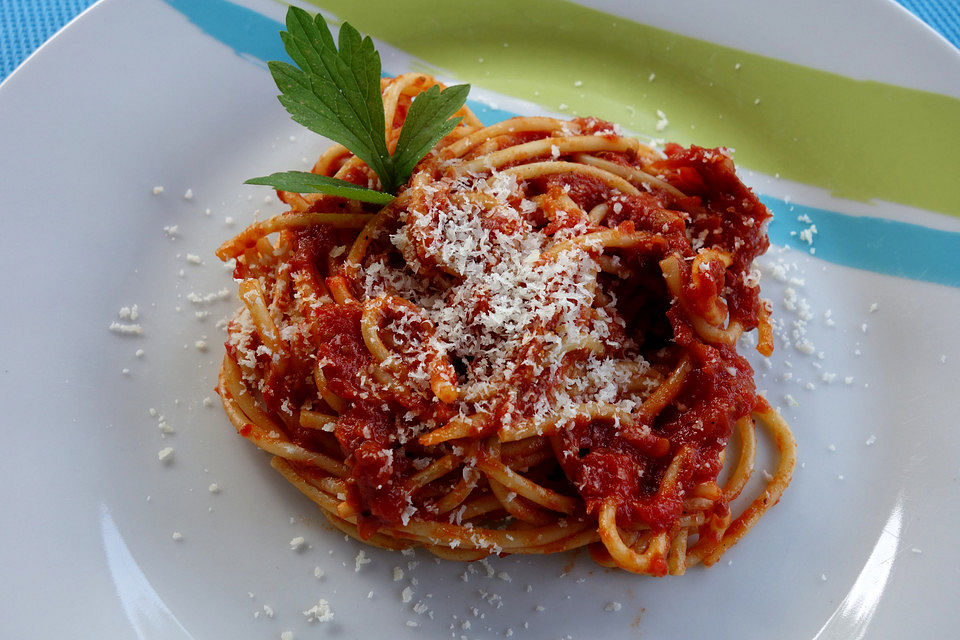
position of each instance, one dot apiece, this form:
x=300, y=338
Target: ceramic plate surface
x=133, y=97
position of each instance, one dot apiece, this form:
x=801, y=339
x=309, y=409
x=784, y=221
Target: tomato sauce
x=600, y=459
x=727, y=211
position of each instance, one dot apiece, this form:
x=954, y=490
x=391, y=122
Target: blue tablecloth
x=26, y=24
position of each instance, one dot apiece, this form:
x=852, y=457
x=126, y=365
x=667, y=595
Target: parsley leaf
x=306, y=182
x=429, y=119
x=333, y=93
x=336, y=93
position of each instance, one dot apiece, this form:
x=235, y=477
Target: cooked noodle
x=531, y=349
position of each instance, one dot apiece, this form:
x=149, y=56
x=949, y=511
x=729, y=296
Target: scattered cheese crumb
x=805, y=347
x=807, y=234
x=129, y=313
x=397, y=574
x=916, y=550
x=317, y=573
x=320, y=612
x=165, y=454
x=662, y=121
x=872, y=439
x=823, y=577
x=194, y=259
x=208, y=298
x=652, y=77
x=613, y=606
x=188, y=194
x=406, y=595
x=138, y=353
x=286, y=635
x=200, y=345
x=126, y=329
x=157, y=190
x=214, y=488
x=297, y=543
x=177, y=535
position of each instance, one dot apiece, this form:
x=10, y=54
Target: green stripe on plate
x=860, y=140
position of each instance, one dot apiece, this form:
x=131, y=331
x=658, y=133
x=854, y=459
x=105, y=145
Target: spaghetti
x=532, y=349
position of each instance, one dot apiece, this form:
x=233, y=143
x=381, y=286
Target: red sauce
x=723, y=207
x=604, y=462
x=587, y=191
x=600, y=460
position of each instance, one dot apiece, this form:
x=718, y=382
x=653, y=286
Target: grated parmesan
x=320, y=612
x=126, y=329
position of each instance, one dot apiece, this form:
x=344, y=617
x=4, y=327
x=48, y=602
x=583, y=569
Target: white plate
x=133, y=96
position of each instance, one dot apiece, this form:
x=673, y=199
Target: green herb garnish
x=306, y=182
x=336, y=93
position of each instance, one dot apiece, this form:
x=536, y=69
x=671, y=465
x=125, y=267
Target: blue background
x=26, y=24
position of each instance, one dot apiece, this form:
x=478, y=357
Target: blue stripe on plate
x=863, y=242
x=874, y=244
